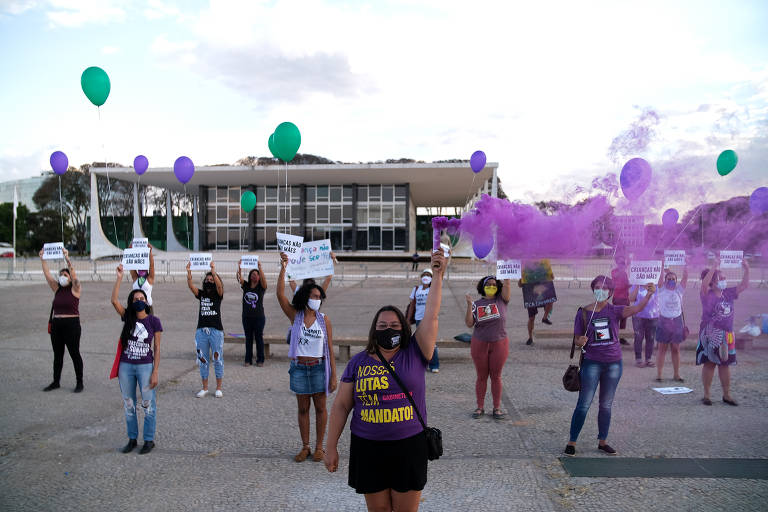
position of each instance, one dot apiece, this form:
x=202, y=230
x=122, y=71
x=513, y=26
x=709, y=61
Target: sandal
x=303, y=454
x=478, y=412
x=498, y=414
x=679, y=379
x=319, y=454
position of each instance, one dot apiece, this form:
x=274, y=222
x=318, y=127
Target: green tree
x=75, y=202
x=22, y=221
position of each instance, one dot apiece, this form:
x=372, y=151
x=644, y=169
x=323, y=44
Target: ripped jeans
x=130, y=375
x=209, y=343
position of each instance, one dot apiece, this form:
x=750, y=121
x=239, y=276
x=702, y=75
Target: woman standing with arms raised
x=253, y=312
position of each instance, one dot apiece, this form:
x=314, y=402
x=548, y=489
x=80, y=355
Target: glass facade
x=353, y=217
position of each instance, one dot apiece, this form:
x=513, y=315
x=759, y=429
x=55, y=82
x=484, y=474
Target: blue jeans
x=593, y=373
x=129, y=375
x=209, y=343
x=434, y=363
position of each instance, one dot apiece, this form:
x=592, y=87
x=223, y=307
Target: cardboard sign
x=536, y=295
x=509, y=269
x=731, y=259
x=644, y=272
x=249, y=261
x=314, y=261
x=136, y=259
x=674, y=258
x=200, y=261
x=289, y=244
x=140, y=243
x=53, y=251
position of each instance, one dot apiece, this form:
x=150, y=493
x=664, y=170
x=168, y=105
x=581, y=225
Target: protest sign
x=53, y=251
x=674, y=258
x=673, y=390
x=249, y=261
x=536, y=295
x=289, y=244
x=509, y=269
x=314, y=261
x=200, y=261
x=136, y=259
x=731, y=259
x=644, y=272
x=140, y=243
x=446, y=249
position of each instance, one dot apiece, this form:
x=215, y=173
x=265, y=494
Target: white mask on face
x=426, y=279
x=601, y=295
x=722, y=284
x=63, y=281
x=314, y=304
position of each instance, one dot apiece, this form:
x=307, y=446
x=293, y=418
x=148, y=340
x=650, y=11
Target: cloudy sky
x=558, y=93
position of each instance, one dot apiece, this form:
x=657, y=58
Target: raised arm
x=684, y=282
x=239, y=275
x=53, y=283
x=744, y=278
x=631, y=310
x=262, y=277
x=506, y=290
x=633, y=293
x=708, y=278
x=426, y=332
x=151, y=276
x=469, y=320
x=342, y=405
x=116, y=293
x=72, y=275
x=327, y=283
x=285, y=305
x=217, y=280
x=194, y=289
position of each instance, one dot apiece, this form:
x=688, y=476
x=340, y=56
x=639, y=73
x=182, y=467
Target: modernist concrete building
x=360, y=207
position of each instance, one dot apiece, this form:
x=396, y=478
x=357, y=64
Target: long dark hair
x=405, y=332
x=301, y=297
x=481, y=286
x=129, y=317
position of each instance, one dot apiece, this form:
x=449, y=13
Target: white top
x=311, y=341
x=670, y=301
x=146, y=288
x=420, y=294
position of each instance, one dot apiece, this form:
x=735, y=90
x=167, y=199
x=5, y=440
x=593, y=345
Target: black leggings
x=65, y=332
x=254, y=331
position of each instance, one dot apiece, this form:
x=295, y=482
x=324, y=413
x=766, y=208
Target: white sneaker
x=218, y=394
x=435, y=370
x=201, y=393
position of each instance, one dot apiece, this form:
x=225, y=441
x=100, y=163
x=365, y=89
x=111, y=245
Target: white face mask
x=314, y=304
x=426, y=279
x=63, y=281
x=601, y=295
x=722, y=284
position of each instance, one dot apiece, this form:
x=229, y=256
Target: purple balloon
x=477, y=161
x=482, y=245
x=59, y=162
x=140, y=164
x=183, y=168
x=758, y=201
x=635, y=178
x=670, y=217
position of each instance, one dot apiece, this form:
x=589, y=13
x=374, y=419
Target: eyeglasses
x=380, y=326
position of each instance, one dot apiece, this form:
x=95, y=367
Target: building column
x=354, y=215
x=100, y=245
x=251, y=223
x=171, y=244
x=495, y=184
x=195, y=225
x=137, y=231
x=411, y=219
x=202, y=205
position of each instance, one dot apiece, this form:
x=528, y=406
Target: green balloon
x=727, y=161
x=271, y=144
x=287, y=140
x=95, y=84
x=248, y=201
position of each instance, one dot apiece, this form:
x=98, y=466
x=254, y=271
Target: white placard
x=249, y=261
x=674, y=258
x=140, y=243
x=509, y=269
x=314, y=261
x=644, y=272
x=53, y=251
x=136, y=259
x=731, y=259
x=446, y=249
x=200, y=261
x=289, y=244
x=672, y=391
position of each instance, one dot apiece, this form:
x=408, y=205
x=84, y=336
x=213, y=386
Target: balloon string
x=287, y=195
x=61, y=211
x=186, y=221
x=278, y=196
x=684, y=227
x=737, y=234
x=109, y=185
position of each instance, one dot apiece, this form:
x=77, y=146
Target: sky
x=558, y=93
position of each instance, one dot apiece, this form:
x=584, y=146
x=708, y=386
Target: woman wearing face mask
x=144, y=280
x=416, y=311
x=596, y=330
x=209, y=336
x=670, y=329
x=65, y=321
x=621, y=292
x=489, y=345
x=717, y=328
x=388, y=451
x=644, y=324
x=313, y=366
x=253, y=312
x=138, y=362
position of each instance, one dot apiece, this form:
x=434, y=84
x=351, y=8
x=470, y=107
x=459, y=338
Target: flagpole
x=15, y=205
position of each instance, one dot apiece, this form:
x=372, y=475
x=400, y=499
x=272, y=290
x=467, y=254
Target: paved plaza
x=59, y=450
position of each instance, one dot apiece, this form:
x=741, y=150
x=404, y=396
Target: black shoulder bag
x=571, y=378
x=433, y=435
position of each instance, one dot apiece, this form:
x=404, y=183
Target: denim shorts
x=307, y=380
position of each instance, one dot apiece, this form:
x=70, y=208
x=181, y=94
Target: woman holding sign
x=253, y=312
x=670, y=331
x=144, y=280
x=313, y=366
x=717, y=343
x=388, y=449
x=596, y=331
x=64, y=321
x=209, y=336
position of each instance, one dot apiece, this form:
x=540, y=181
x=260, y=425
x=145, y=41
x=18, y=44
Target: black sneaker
x=128, y=448
x=51, y=386
x=529, y=342
x=546, y=320
x=78, y=388
x=623, y=341
x=148, y=445
x=570, y=450
x=607, y=449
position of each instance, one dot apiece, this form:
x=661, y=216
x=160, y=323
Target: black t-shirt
x=209, y=314
x=253, y=301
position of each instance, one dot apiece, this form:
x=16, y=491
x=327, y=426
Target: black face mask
x=388, y=338
x=209, y=287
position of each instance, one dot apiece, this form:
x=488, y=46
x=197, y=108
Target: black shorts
x=532, y=312
x=378, y=465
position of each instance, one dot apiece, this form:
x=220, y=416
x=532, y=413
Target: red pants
x=489, y=358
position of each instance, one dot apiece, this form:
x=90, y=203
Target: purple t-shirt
x=382, y=412
x=718, y=311
x=490, y=317
x=602, y=333
x=138, y=349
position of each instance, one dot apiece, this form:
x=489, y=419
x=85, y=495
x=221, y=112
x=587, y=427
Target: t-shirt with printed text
x=137, y=349
x=419, y=293
x=209, y=314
